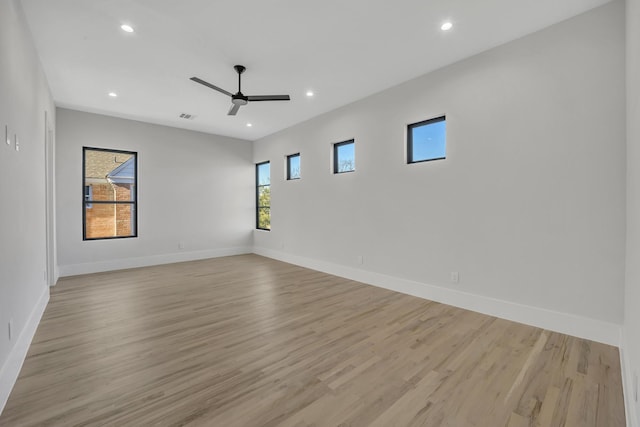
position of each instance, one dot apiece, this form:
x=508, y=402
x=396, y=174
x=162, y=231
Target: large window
x=344, y=156
x=109, y=194
x=426, y=140
x=263, y=196
x=293, y=166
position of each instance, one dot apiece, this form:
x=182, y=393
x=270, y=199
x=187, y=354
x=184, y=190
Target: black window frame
x=410, y=128
x=88, y=195
x=289, y=157
x=258, y=186
x=336, y=163
x=87, y=204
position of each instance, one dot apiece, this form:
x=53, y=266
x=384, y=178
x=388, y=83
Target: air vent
x=187, y=116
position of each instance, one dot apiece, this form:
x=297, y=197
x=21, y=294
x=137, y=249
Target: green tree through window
x=263, y=196
x=264, y=207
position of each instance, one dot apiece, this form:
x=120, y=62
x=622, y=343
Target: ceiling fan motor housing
x=239, y=99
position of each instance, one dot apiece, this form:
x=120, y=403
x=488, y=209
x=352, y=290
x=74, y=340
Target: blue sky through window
x=429, y=141
x=264, y=174
x=345, y=157
x=294, y=166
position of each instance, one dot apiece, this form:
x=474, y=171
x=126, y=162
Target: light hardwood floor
x=247, y=341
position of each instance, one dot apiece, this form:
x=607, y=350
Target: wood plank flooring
x=248, y=341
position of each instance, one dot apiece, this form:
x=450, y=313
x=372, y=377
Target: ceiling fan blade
x=207, y=84
x=269, y=98
x=234, y=109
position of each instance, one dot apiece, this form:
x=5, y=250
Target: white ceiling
x=343, y=50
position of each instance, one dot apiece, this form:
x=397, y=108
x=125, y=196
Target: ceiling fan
x=239, y=99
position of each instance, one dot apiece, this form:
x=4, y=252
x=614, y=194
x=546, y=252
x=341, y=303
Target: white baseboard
x=11, y=368
x=630, y=405
x=578, y=326
x=124, y=263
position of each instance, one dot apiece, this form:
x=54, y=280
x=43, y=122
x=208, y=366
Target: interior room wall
x=194, y=190
x=528, y=207
x=632, y=292
x=25, y=99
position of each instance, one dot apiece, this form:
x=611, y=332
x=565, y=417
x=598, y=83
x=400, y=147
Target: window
x=293, y=166
x=426, y=140
x=263, y=196
x=109, y=194
x=344, y=156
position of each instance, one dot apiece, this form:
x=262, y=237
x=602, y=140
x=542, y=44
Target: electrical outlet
x=635, y=386
x=6, y=135
x=359, y=259
x=15, y=138
x=180, y=245
x=10, y=329
x=455, y=277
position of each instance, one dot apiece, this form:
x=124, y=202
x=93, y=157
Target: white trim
x=11, y=368
x=145, y=261
x=56, y=275
x=627, y=384
x=570, y=324
x=49, y=201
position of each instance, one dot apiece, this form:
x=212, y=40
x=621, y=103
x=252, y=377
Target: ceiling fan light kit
x=239, y=99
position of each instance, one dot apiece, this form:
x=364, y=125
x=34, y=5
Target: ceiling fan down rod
x=239, y=69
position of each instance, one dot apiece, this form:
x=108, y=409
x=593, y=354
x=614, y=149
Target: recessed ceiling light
x=127, y=28
x=113, y=94
x=249, y=125
x=446, y=26
x=309, y=93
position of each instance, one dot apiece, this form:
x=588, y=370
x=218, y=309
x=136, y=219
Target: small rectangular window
x=110, y=202
x=426, y=140
x=263, y=196
x=293, y=166
x=344, y=156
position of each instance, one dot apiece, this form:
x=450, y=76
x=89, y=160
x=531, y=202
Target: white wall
x=632, y=293
x=24, y=99
x=529, y=206
x=192, y=187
